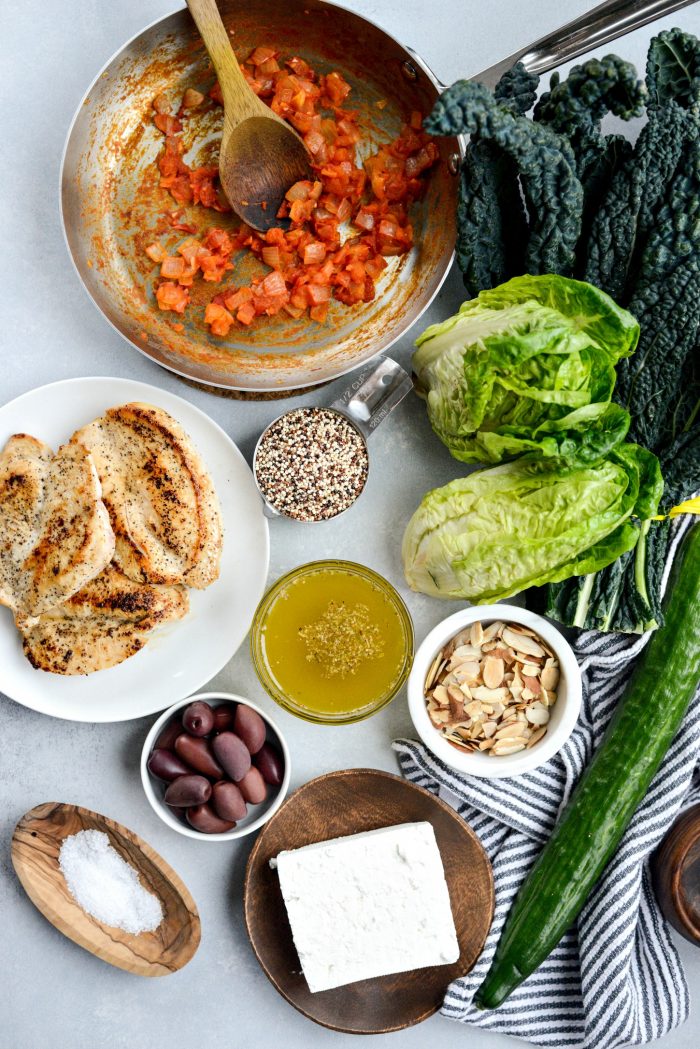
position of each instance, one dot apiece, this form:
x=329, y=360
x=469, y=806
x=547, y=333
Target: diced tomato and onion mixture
x=344, y=224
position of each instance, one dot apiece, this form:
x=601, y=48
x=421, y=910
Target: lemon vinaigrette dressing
x=333, y=641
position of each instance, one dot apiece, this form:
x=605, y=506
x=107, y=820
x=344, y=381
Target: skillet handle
x=373, y=394
x=604, y=23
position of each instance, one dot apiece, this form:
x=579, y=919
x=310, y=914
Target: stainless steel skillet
x=112, y=206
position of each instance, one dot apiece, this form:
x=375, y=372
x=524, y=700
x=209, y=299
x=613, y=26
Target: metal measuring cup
x=371, y=396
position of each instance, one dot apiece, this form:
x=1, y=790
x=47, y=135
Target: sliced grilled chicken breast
x=160, y=498
x=109, y=620
x=55, y=533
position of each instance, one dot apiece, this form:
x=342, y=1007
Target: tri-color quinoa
x=311, y=464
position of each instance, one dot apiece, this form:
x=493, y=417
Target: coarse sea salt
x=105, y=885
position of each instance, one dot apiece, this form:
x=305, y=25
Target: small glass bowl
x=262, y=668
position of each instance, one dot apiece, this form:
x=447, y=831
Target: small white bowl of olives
x=215, y=767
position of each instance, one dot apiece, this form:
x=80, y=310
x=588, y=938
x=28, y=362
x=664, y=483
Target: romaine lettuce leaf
x=500, y=530
x=527, y=367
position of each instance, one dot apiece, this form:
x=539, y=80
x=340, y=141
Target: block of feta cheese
x=368, y=905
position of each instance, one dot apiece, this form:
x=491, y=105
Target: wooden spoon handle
x=239, y=100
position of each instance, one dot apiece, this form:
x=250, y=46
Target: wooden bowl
x=348, y=802
x=35, y=846
x=675, y=870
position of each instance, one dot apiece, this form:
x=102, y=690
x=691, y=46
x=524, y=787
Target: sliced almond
x=476, y=634
x=431, y=676
x=440, y=695
x=461, y=729
x=486, y=744
x=492, y=672
x=462, y=638
x=520, y=629
x=527, y=694
x=537, y=714
x=505, y=731
x=522, y=643
x=530, y=670
x=466, y=652
x=490, y=695
x=536, y=736
x=508, y=747
x=474, y=709
x=532, y=683
x=489, y=728
x=494, y=629
x=467, y=671
x=439, y=717
x=456, y=706
x=506, y=654
x=455, y=692
x=460, y=744
x=549, y=677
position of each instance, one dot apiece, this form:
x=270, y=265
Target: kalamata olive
x=228, y=801
x=166, y=765
x=271, y=764
x=250, y=727
x=252, y=786
x=203, y=817
x=187, y=790
x=168, y=735
x=197, y=753
x=198, y=718
x=232, y=753
x=223, y=717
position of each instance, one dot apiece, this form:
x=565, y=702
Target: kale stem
x=584, y=598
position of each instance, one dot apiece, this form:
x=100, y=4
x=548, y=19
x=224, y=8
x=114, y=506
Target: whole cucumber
x=640, y=732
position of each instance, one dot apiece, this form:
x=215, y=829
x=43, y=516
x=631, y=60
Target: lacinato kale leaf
x=545, y=164
x=517, y=89
x=491, y=220
x=575, y=108
x=673, y=68
x=666, y=302
x=684, y=412
x=628, y=211
x=626, y=214
x=598, y=86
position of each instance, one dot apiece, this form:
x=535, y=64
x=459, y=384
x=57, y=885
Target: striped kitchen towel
x=615, y=979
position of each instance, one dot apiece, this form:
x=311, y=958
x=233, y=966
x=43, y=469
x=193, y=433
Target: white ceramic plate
x=183, y=656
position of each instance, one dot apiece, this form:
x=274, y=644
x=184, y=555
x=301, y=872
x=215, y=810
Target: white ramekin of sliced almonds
x=494, y=691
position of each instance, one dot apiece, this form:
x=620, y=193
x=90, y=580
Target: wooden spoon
x=35, y=846
x=260, y=156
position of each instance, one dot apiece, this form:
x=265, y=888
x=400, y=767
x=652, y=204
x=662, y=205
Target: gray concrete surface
x=52, y=993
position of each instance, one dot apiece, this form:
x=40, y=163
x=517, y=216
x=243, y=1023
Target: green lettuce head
x=500, y=530
x=527, y=368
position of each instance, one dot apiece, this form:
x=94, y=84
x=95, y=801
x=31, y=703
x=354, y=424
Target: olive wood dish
x=676, y=874
x=35, y=846
x=348, y=802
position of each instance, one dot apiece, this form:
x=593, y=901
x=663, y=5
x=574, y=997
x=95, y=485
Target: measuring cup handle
x=374, y=393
